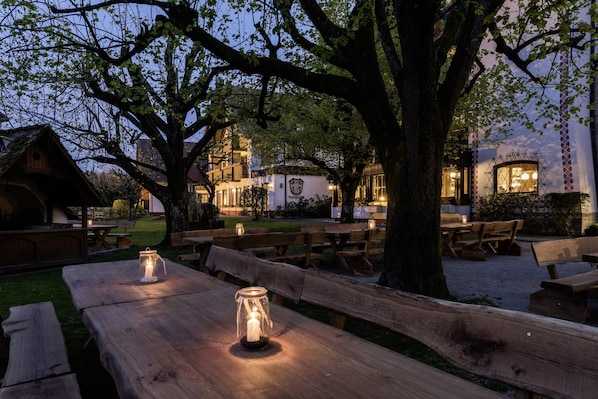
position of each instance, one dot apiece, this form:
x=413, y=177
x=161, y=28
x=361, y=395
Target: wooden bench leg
x=557, y=304
x=123, y=242
x=337, y=320
x=521, y=394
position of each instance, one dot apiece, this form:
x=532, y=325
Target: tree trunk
x=176, y=203
x=348, y=186
x=412, y=258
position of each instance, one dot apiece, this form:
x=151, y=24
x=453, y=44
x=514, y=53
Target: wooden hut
x=38, y=181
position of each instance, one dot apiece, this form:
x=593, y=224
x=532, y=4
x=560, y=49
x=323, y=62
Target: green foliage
x=202, y=215
x=505, y=206
x=318, y=207
x=254, y=198
x=120, y=208
x=591, y=230
x=554, y=213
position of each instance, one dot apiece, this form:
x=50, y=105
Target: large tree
x=402, y=64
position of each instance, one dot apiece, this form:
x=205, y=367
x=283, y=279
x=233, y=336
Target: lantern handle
x=163, y=263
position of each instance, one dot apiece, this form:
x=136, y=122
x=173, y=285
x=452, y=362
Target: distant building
x=234, y=168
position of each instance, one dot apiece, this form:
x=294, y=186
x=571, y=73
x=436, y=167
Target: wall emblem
x=296, y=186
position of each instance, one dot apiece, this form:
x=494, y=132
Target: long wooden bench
x=566, y=297
x=330, y=228
x=178, y=238
x=38, y=364
x=274, y=246
x=512, y=347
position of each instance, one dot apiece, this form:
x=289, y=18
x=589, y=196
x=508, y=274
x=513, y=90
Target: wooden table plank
x=40, y=350
x=590, y=258
x=97, y=284
x=574, y=284
x=185, y=346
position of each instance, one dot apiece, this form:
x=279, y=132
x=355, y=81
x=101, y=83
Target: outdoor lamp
x=253, y=317
x=89, y=222
x=148, y=263
x=240, y=229
x=463, y=219
x=371, y=224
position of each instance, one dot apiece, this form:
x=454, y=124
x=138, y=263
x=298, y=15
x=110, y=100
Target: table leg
x=101, y=239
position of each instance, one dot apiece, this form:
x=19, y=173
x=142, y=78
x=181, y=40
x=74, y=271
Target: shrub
x=554, y=213
x=254, y=198
x=120, y=209
x=591, y=230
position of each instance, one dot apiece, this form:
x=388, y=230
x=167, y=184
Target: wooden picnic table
x=100, y=233
x=162, y=341
x=359, y=239
x=450, y=231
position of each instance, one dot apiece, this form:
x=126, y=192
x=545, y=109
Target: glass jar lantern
x=240, y=229
x=148, y=263
x=371, y=224
x=253, y=317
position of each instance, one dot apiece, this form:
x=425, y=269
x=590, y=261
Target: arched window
x=516, y=177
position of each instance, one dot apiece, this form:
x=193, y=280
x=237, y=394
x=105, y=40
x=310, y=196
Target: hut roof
x=35, y=153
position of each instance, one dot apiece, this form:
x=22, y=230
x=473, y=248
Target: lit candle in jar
x=149, y=271
x=463, y=219
x=253, y=328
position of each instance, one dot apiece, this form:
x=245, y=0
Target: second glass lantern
x=253, y=317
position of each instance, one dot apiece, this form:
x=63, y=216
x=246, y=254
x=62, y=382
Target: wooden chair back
x=513, y=347
x=557, y=252
x=332, y=227
x=446, y=218
x=248, y=241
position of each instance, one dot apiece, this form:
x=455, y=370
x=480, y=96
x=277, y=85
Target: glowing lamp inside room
x=148, y=263
x=253, y=317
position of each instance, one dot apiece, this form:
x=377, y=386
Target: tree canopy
x=404, y=65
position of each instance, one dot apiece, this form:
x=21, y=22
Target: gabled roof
x=35, y=153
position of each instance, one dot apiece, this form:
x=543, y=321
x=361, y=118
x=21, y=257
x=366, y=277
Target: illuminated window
x=516, y=177
x=455, y=185
x=379, y=188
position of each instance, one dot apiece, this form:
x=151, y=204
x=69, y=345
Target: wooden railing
x=36, y=249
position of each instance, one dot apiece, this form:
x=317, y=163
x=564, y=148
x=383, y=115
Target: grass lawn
x=94, y=381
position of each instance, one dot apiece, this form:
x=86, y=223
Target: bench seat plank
x=37, y=348
x=61, y=387
x=572, y=284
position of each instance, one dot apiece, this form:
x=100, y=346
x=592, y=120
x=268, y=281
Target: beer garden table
x=176, y=338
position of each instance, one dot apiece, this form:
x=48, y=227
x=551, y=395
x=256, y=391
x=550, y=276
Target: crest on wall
x=296, y=186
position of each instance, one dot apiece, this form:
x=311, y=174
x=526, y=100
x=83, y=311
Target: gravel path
x=505, y=280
